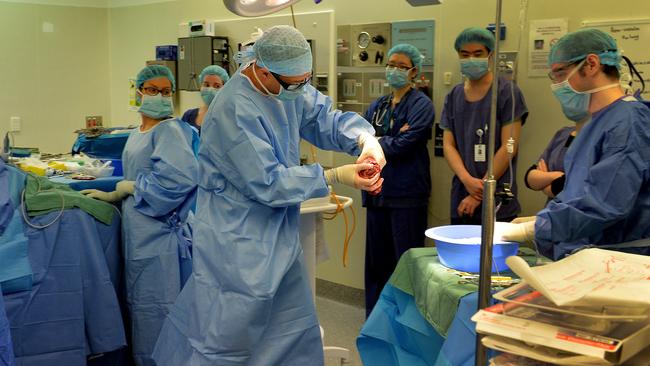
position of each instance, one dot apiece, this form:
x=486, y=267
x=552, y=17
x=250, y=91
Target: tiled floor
x=342, y=323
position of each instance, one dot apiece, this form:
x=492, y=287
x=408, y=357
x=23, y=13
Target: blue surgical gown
x=248, y=300
x=156, y=234
x=606, y=197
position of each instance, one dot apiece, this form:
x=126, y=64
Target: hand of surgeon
x=370, y=147
x=122, y=190
x=523, y=233
x=521, y=220
x=349, y=175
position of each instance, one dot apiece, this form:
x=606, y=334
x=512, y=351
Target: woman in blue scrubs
x=157, y=194
x=548, y=174
x=397, y=216
x=212, y=79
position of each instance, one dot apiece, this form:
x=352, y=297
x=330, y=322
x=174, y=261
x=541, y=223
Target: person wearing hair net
x=397, y=216
x=159, y=190
x=212, y=79
x=606, y=196
x=248, y=301
x=465, y=119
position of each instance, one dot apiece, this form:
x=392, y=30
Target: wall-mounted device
x=493, y=28
x=198, y=28
x=506, y=64
x=419, y=33
x=370, y=44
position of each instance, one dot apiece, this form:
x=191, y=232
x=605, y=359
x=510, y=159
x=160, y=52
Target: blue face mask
x=474, y=68
x=156, y=106
x=289, y=94
x=208, y=94
x=575, y=104
x=397, y=78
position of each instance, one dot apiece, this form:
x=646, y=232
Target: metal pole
x=489, y=190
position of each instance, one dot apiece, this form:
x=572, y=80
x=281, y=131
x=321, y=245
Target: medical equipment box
x=166, y=53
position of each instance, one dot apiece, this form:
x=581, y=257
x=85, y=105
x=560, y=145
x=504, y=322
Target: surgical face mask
x=156, y=106
x=474, y=68
x=289, y=94
x=575, y=104
x=397, y=78
x=208, y=94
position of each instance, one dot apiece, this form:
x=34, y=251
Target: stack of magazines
x=593, y=309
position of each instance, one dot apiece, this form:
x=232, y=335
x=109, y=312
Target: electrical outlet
x=447, y=78
x=14, y=124
x=94, y=121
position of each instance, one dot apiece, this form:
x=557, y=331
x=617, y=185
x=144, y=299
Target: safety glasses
x=288, y=86
x=149, y=90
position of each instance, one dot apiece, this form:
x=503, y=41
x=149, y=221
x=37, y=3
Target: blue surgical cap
x=475, y=35
x=154, y=72
x=409, y=50
x=577, y=45
x=283, y=50
x=214, y=70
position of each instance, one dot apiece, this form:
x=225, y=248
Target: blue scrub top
x=464, y=118
x=190, y=116
x=554, y=153
x=407, y=180
x=606, y=197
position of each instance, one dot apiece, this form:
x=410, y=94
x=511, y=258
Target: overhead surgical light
x=254, y=8
x=424, y=2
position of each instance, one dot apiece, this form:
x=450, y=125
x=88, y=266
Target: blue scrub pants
x=389, y=233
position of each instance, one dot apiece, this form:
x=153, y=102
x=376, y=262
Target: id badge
x=479, y=153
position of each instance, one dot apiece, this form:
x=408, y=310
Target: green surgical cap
x=283, y=50
x=214, y=70
x=409, y=50
x=577, y=45
x=475, y=35
x=154, y=72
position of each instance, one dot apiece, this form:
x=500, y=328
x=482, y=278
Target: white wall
x=52, y=80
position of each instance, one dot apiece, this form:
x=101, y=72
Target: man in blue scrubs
x=465, y=119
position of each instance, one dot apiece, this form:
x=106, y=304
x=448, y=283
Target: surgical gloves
x=122, y=190
x=349, y=175
x=523, y=233
x=370, y=147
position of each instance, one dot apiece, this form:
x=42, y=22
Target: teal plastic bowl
x=459, y=247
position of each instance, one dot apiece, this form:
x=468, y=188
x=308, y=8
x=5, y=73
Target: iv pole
x=489, y=190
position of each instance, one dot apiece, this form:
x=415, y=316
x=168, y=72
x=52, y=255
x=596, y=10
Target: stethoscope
x=377, y=117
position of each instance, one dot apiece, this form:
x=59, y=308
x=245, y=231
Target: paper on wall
x=543, y=35
x=591, y=277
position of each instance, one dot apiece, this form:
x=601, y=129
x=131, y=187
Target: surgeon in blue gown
x=606, y=196
x=397, y=216
x=157, y=194
x=248, y=301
